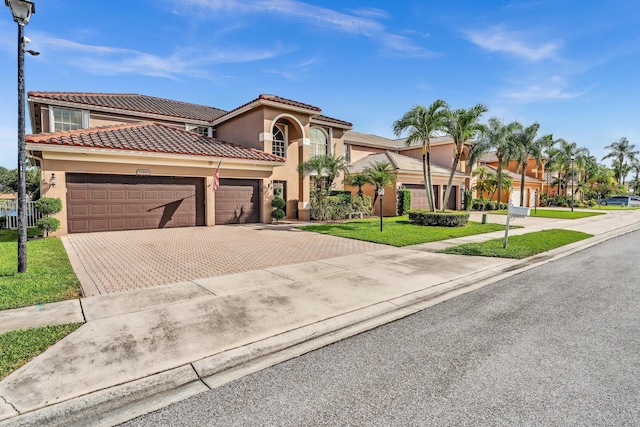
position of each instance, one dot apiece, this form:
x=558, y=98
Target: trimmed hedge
x=439, y=219
x=339, y=206
x=404, y=201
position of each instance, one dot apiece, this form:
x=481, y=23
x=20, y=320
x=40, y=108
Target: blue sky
x=570, y=65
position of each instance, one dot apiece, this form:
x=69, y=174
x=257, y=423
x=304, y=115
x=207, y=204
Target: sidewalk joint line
x=199, y=377
x=203, y=288
x=82, y=310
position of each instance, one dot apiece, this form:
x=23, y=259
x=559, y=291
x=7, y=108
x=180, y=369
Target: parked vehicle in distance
x=630, y=201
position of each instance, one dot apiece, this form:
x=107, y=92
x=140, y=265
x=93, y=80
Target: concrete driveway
x=118, y=261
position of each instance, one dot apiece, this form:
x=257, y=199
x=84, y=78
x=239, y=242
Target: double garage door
x=123, y=202
x=419, y=199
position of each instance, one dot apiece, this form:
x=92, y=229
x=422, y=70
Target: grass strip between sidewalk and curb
x=18, y=347
x=49, y=276
x=553, y=213
x=521, y=246
x=398, y=231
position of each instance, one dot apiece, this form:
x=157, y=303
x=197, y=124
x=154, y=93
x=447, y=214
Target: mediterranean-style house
x=127, y=161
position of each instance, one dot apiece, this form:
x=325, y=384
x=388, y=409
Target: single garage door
x=419, y=199
x=238, y=201
x=123, y=202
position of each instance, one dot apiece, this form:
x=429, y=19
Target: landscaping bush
x=361, y=204
x=503, y=206
x=490, y=206
x=439, y=219
x=277, y=203
x=404, y=201
x=467, y=200
x=48, y=224
x=49, y=206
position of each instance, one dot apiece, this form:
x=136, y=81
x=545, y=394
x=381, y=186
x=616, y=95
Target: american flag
x=216, y=177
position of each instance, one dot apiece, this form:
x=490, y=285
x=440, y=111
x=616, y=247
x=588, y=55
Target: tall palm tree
x=561, y=154
x=502, y=139
x=635, y=168
x=621, y=151
x=463, y=125
x=381, y=175
x=483, y=185
x=422, y=123
x=323, y=166
x=530, y=148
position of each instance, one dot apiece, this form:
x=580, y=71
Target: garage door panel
x=119, y=202
x=237, y=201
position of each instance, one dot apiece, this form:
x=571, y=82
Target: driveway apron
x=118, y=261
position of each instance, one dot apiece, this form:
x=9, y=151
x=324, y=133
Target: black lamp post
x=573, y=172
x=22, y=11
x=380, y=194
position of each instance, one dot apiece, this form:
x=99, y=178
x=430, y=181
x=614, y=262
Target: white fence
x=9, y=211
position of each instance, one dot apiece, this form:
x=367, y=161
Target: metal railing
x=9, y=211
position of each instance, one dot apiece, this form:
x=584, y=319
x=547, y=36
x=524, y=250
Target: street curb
x=123, y=402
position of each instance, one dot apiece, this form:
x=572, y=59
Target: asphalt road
x=557, y=345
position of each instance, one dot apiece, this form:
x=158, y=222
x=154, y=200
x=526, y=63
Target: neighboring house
x=534, y=183
x=366, y=149
x=126, y=161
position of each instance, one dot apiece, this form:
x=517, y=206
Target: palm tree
x=381, y=175
x=621, y=151
x=422, y=123
x=483, y=185
x=635, y=168
x=463, y=126
x=501, y=138
x=324, y=166
x=357, y=180
x=530, y=148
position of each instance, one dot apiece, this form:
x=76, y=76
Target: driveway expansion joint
x=199, y=377
x=10, y=404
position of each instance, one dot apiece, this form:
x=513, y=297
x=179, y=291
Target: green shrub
x=361, y=204
x=439, y=219
x=48, y=224
x=49, y=206
x=490, y=206
x=502, y=206
x=467, y=200
x=404, y=201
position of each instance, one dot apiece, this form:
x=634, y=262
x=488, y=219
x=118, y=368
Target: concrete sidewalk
x=144, y=349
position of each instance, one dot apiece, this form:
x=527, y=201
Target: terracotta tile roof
x=150, y=137
x=514, y=176
x=273, y=98
x=136, y=103
x=327, y=119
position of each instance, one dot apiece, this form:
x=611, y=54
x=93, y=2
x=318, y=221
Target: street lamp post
x=380, y=194
x=21, y=11
x=573, y=173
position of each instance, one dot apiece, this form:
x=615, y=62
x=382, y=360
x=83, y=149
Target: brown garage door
x=122, y=202
x=419, y=199
x=238, y=201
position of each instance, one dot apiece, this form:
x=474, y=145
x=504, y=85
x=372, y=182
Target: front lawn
x=18, y=347
x=398, y=231
x=554, y=213
x=12, y=235
x=49, y=276
x=521, y=246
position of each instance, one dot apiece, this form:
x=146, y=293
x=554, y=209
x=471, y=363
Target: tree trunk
x=524, y=170
x=429, y=184
x=499, y=189
x=454, y=167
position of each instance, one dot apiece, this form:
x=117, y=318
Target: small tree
x=277, y=203
x=357, y=180
x=48, y=206
x=381, y=175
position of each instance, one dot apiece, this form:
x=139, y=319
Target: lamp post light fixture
x=21, y=11
x=573, y=173
x=381, y=195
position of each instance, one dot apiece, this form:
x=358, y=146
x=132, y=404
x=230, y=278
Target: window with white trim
x=200, y=130
x=279, y=143
x=318, y=143
x=66, y=119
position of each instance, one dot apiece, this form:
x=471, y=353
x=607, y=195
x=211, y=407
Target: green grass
x=18, y=347
x=614, y=208
x=49, y=276
x=553, y=213
x=521, y=246
x=398, y=231
x=12, y=235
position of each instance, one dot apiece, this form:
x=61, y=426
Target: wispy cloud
x=360, y=22
x=107, y=60
x=554, y=88
x=497, y=39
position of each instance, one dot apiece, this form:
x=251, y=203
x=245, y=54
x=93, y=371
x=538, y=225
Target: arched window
x=279, y=145
x=318, y=143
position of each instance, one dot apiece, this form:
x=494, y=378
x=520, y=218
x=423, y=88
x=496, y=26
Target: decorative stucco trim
x=305, y=142
x=266, y=137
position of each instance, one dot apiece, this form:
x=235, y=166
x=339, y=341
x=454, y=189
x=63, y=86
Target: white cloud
x=497, y=39
x=364, y=24
x=554, y=88
x=106, y=60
